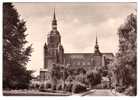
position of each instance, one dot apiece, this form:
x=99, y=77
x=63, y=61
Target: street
x=100, y=92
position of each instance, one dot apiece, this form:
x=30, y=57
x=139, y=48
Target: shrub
x=59, y=87
x=42, y=88
x=78, y=88
x=93, y=78
x=69, y=78
x=69, y=87
x=53, y=87
x=48, y=85
x=36, y=86
x=130, y=91
x=98, y=86
x=81, y=78
x=120, y=89
x=32, y=86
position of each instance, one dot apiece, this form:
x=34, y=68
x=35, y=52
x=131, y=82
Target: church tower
x=53, y=50
x=97, y=55
x=96, y=50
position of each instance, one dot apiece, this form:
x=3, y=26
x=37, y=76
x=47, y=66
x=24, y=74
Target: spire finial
x=97, y=51
x=96, y=39
x=54, y=21
x=54, y=15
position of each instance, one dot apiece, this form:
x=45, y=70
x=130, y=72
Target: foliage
x=125, y=62
x=15, y=54
x=101, y=86
x=69, y=87
x=54, y=87
x=93, y=78
x=59, y=73
x=42, y=87
x=36, y=86
x=78, y=87
x=81, y=78
x=81, y=71
x=130, y=91
x=55, y=75
x=48, y=85
x=120, y=89
x=71, y=72
x=59, y=87
x=69, y=78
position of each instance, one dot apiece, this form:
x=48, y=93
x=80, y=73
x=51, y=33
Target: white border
x=73, y=97
x=70, y=0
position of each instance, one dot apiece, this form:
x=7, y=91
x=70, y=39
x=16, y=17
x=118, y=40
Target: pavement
x=84, y=93
x=93, y=92
x=99, y=92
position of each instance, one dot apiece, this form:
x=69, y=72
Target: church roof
x=78, y=54
x=108, y=54
x=87, y=54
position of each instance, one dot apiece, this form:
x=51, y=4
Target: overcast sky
x=78, y=24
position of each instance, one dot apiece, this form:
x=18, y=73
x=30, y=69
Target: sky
x=78, y=24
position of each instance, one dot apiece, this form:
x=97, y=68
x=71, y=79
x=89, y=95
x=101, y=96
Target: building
x=54, y=54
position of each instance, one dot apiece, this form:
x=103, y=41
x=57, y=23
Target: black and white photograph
x=69, y=48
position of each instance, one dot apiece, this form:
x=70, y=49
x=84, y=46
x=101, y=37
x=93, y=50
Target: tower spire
x=54, y=21
x=54, y=18
x=97, y=51
x=96, y=40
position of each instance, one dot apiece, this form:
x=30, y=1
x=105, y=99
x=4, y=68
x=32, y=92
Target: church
x=54, y=54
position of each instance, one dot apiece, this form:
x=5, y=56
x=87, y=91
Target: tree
x=125, y=61
x=15, y=54
x=55, y=75
x=93, y=78
x=81, y=78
